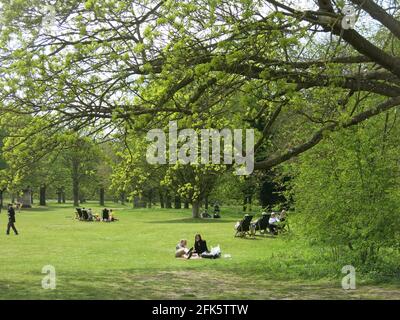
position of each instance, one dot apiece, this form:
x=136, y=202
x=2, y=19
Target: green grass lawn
x=134, y=259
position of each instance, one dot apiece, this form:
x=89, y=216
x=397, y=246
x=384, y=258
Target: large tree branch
x=357, y=41
x=267, y=127
x=365, y=47
x=307, y=80
x=318, y=136
x=378, y=13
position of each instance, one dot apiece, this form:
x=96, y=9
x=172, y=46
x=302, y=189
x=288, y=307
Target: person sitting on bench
x=273, y=223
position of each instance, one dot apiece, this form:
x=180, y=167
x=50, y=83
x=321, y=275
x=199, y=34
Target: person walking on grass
x=11, y=220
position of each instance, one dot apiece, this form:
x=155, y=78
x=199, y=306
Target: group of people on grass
x=273, y=223
x=199, y=249
x=216, y=214
x=84, y=214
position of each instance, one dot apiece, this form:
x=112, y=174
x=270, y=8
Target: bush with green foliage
x=346, y=191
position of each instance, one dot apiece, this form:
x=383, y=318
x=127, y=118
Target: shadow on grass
x=266, y=236
x=184, y=284
x=247, y=238
x=37, y=209
x=193, y=220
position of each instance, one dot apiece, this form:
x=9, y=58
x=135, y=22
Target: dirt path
x=198, y=285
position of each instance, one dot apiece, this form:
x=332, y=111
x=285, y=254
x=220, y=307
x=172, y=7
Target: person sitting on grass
x=216, y=208
x=77, y=214
x=96, y=217
x=181, y=251
x=273, y=223
x=205, y=214
x=85, y=215
x=106, y=214
x=112, y=218
x=200, y=245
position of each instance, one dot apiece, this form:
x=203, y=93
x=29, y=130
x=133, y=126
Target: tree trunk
x=168, y=203
x=59, y=195
x=42, y=195
x=1, y=200
x=75, y=182
x=250, y=198
x=245, y=204
x=206, y=203
x=26, y=199
x=162, y=203
x=136, y=202
x=63, y=196
x=186, y=204
x=177, y=202
x=150, y=197
x=102, y=196
x=196, y=209
x=122, y=198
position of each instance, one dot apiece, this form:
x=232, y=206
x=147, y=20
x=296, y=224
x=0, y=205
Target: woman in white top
x=273, y=221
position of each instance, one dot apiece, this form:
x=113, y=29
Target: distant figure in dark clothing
x=11, y=219
x=216, y=211
x=205, y=214
x=85, y=214
x=200, y=245
x=106, y=214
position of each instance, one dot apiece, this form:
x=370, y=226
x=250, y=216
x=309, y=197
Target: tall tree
x=81, y=157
